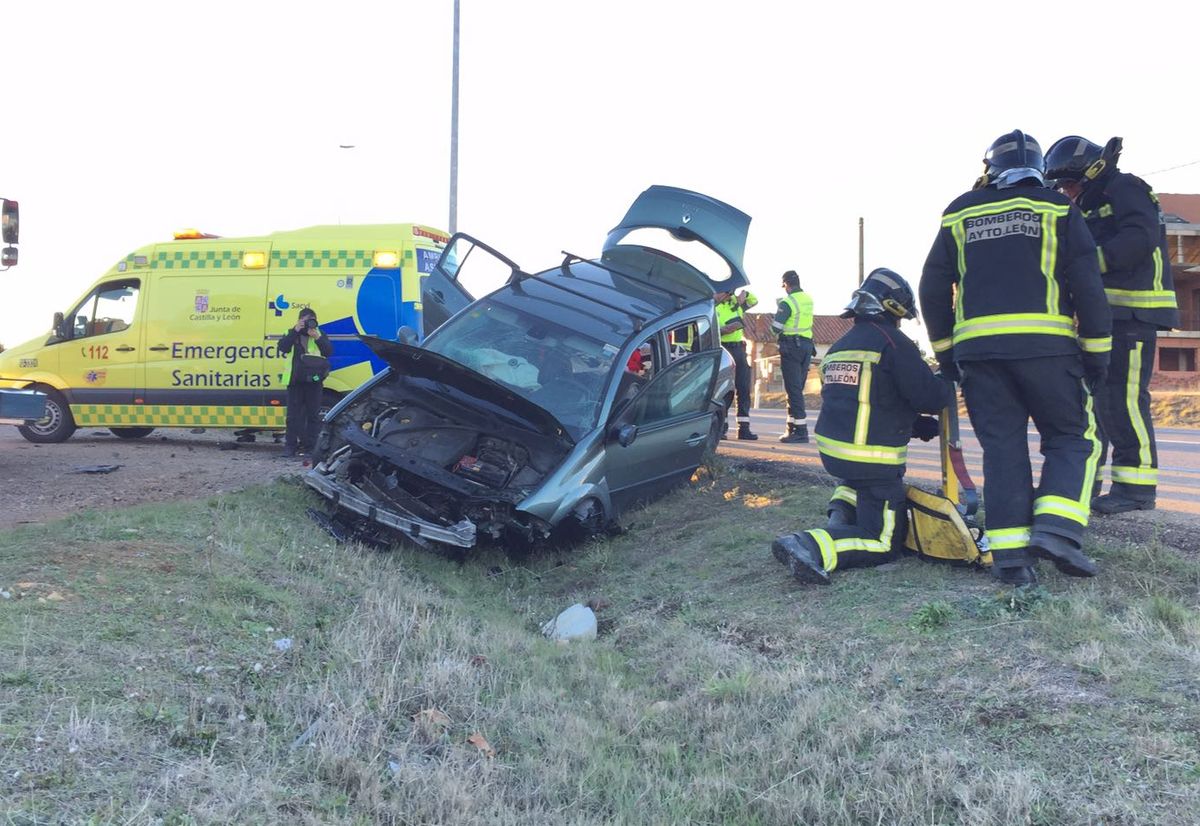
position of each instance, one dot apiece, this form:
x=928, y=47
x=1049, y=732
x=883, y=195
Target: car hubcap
x=51, y=422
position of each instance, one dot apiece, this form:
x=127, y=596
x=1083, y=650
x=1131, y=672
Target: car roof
x=598, y=299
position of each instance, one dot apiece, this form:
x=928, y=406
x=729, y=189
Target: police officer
x=793, y=322
x=731, y=311
x=1012, y=296
x=1125, y=219
x=875, y=385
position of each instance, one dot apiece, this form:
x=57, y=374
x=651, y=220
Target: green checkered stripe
x=197, y=260
x=322, y=259
x=172, y=415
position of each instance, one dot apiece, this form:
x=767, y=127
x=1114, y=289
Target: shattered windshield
x=557, y=368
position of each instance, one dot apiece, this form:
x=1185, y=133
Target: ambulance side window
x=109, y=309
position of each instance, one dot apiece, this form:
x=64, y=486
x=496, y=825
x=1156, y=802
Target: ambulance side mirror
x=60, y=328
x=9, y=257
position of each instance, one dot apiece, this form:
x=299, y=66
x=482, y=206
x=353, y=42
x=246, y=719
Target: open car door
x=466, y=270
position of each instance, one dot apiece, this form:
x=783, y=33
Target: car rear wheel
x=58, y=423
x=131, y=432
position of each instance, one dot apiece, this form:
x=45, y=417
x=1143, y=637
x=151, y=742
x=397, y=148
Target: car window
x=682, y=389
x=557, y=368
x=109, y=309
x=692, y=337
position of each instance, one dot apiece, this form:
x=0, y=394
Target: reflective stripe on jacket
x=1009, y=273
x=795, y=315
x=1125, y=220
x=874, y=383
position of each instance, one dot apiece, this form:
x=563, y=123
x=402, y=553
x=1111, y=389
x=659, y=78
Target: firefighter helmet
x=1012, y=158
x=1074, y=159
x=885, y=293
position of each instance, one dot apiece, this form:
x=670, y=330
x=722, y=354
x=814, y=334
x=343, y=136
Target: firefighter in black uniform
x=875, y=385
x=1126, y=222
x=1011, y=270
x=731, y=309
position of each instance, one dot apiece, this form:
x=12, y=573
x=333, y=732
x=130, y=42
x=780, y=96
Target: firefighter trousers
x=1123, y=413
x=795, y=356
x=1002, y=396
x=868, y=521
x=741, y=378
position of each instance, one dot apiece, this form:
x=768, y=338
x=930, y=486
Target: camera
x=310, y=323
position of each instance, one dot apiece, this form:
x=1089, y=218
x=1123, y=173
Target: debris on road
x=95, y=468
x=575, y=623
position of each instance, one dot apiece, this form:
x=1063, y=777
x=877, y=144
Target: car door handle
x=125, y=348
x=695, y=439
x=160, y=348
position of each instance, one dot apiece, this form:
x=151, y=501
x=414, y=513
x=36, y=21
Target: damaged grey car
x=551, y=406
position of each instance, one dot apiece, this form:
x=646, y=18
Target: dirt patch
x=1176, y=409
x=39, y=483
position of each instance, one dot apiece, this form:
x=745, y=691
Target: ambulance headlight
x=386, y=259
x=254, y=260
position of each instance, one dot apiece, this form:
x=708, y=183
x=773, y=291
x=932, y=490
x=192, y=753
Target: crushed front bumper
x=349, y=496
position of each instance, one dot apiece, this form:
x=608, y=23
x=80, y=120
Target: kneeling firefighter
x=874, y=387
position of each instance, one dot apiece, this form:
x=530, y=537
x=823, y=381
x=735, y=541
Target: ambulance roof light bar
x=192, y=235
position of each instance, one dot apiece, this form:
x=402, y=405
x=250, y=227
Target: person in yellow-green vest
x=304, y=376
x=793, y=322
x=731, y=311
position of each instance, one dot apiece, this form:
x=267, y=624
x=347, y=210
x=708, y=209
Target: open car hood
x=408, y=360
x=691, y=216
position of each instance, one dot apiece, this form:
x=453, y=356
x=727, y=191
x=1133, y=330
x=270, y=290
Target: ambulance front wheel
x=56, y=426
x=131, y=432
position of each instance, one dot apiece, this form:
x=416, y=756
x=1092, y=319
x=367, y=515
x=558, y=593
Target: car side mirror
x=406, y=335
x=9, y=257
x=59, y=326
x=624, y=434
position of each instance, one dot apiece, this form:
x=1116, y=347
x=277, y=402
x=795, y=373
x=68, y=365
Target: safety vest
x=800, y=315
x=727, y=311
x=310, y=346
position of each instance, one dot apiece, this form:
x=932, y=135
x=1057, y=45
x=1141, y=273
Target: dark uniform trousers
x=303, y=415
x=1001, y=397
x=795, y=357
x=741, y=378
x=868, y=520
x=1123, y=411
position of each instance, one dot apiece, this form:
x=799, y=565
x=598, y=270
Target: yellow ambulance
x=184, y=333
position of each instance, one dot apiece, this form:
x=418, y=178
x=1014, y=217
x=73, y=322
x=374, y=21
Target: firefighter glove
x=948, y=368
x=925, y=428
x=1095, y=370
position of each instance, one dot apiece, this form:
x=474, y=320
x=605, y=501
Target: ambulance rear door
x=207, y=363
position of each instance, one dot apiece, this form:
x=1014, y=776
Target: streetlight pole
x=454, y=130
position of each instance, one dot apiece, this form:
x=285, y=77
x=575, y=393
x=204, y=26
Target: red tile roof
x=1186, y=207
x=826, y=328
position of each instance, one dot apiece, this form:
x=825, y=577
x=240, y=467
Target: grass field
x=140, y=680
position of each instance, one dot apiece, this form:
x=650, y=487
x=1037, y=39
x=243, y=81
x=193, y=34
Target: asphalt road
x=1178, y=456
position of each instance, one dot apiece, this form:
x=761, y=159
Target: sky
x=125, y=121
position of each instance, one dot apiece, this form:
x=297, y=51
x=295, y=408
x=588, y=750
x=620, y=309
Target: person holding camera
x=304, y=376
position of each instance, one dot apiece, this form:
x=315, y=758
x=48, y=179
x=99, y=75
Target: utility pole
x=454, y=130
x=860, y=249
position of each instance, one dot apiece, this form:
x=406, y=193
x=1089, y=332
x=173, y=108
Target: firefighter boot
x=1064, y=553
x=796, y=434
x=744, y=433
x=800, y=553
x=1120, y=499
x=1017, y=577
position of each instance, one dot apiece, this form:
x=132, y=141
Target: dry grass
x=719, y=691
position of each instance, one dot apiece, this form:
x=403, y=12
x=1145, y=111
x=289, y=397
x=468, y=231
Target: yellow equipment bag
x=936, y=530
